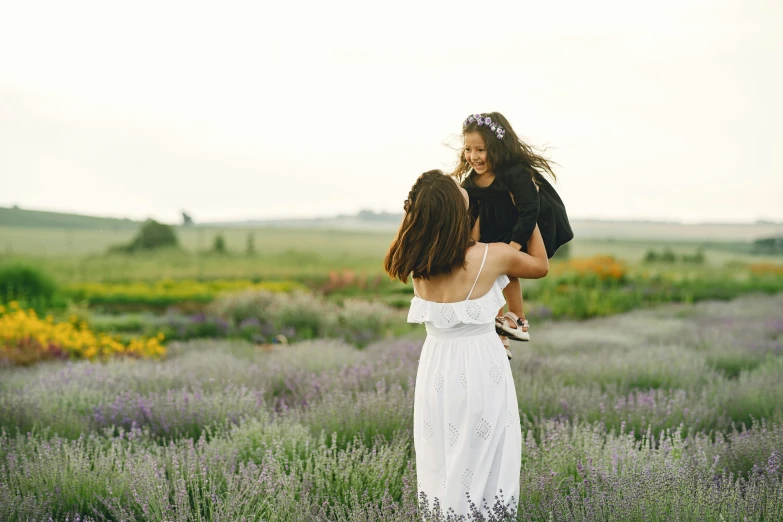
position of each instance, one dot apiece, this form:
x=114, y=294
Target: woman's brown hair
x=502, y=152
x=435, y=230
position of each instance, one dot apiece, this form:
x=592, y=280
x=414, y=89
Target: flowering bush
x=26, y=338
x=301, y=315
x=169, y=292
x=766, y=269
x=603, y=268
x=366, y=320
x=602, y=286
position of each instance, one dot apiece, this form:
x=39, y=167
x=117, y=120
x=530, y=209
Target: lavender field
x=674, y=413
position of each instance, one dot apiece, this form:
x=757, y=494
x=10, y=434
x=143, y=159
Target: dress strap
x=486, y=249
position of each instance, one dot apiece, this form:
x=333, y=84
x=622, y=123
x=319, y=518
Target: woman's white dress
x=466, y=421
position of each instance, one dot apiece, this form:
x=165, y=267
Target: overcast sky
x=235, y=110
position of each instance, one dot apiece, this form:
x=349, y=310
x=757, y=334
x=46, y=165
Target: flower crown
x=485, y=120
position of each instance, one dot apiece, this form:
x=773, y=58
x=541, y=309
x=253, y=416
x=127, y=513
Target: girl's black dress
x=504, y=219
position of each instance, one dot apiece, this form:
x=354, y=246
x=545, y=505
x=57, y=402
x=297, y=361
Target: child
x=508, y=197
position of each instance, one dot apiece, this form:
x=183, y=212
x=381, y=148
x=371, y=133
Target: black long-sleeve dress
x=504, y=219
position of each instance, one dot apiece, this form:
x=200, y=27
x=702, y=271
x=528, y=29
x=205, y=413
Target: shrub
x=28, y=284
x=166, y=292
x=28, y=338
x=151, y=236
x=219, y=245
x=300, y=315
x=651, y=256
x=363, y=321
x=698, y=258
x=768, y=245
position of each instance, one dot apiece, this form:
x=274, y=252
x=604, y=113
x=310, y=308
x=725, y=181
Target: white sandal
x=516, y=331
x=506, y=345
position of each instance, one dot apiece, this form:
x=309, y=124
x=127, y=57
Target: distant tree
x=219, y=245
x=369, y=215
x=768, y=245
x=186, y=219
x=151, y=236
x=696, y=259
x=668, y=256
x=251, y=244
x=154, y=235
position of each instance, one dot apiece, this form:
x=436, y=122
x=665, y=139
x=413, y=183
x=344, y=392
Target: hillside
x=367, y=221
x=16, y=217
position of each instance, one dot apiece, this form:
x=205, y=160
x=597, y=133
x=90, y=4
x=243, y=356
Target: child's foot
x=506, y=345
x=512, y=326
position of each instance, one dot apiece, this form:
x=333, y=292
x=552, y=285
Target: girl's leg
x=513, y=295
x=503, y=338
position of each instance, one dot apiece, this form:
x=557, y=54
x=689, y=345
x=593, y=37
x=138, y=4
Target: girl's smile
x=476, y=153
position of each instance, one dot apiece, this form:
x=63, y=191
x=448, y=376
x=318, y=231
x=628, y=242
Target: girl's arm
x=525, y=195
x=533, y=265
x=473, y=210
x=475, y=233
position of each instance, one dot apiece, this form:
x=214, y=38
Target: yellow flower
x=28, y=338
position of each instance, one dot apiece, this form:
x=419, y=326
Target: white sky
x=235, y=110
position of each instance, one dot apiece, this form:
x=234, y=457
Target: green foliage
x=27, y=284
x=698, y=258
x=250, y=248
x=668, y=256
x=768, y=245
x=301, y=315
x=151, y=236
x=219, y=244
x=154, y=235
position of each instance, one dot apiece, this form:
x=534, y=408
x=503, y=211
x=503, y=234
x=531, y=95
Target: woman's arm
x=533, y=265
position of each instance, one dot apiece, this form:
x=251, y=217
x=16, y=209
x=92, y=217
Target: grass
x=15, y=217
x=71, y=242
x=67, y=243
x=670, y=413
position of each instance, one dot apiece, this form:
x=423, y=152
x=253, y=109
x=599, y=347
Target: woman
x=466, y=420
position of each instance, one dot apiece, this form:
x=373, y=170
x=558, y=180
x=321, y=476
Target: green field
x=77, y=255
x=345, y=262
x=352, y=242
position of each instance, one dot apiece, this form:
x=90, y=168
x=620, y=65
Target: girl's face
x=476, y=152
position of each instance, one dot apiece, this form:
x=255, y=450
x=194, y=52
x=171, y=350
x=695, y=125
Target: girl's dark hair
x=502, y=153
x=435, y=231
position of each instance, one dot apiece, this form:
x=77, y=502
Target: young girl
x=508, y=197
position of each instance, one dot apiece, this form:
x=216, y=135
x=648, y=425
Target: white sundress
x=466, y=427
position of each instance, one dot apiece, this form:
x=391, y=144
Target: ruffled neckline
x=480, y=310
